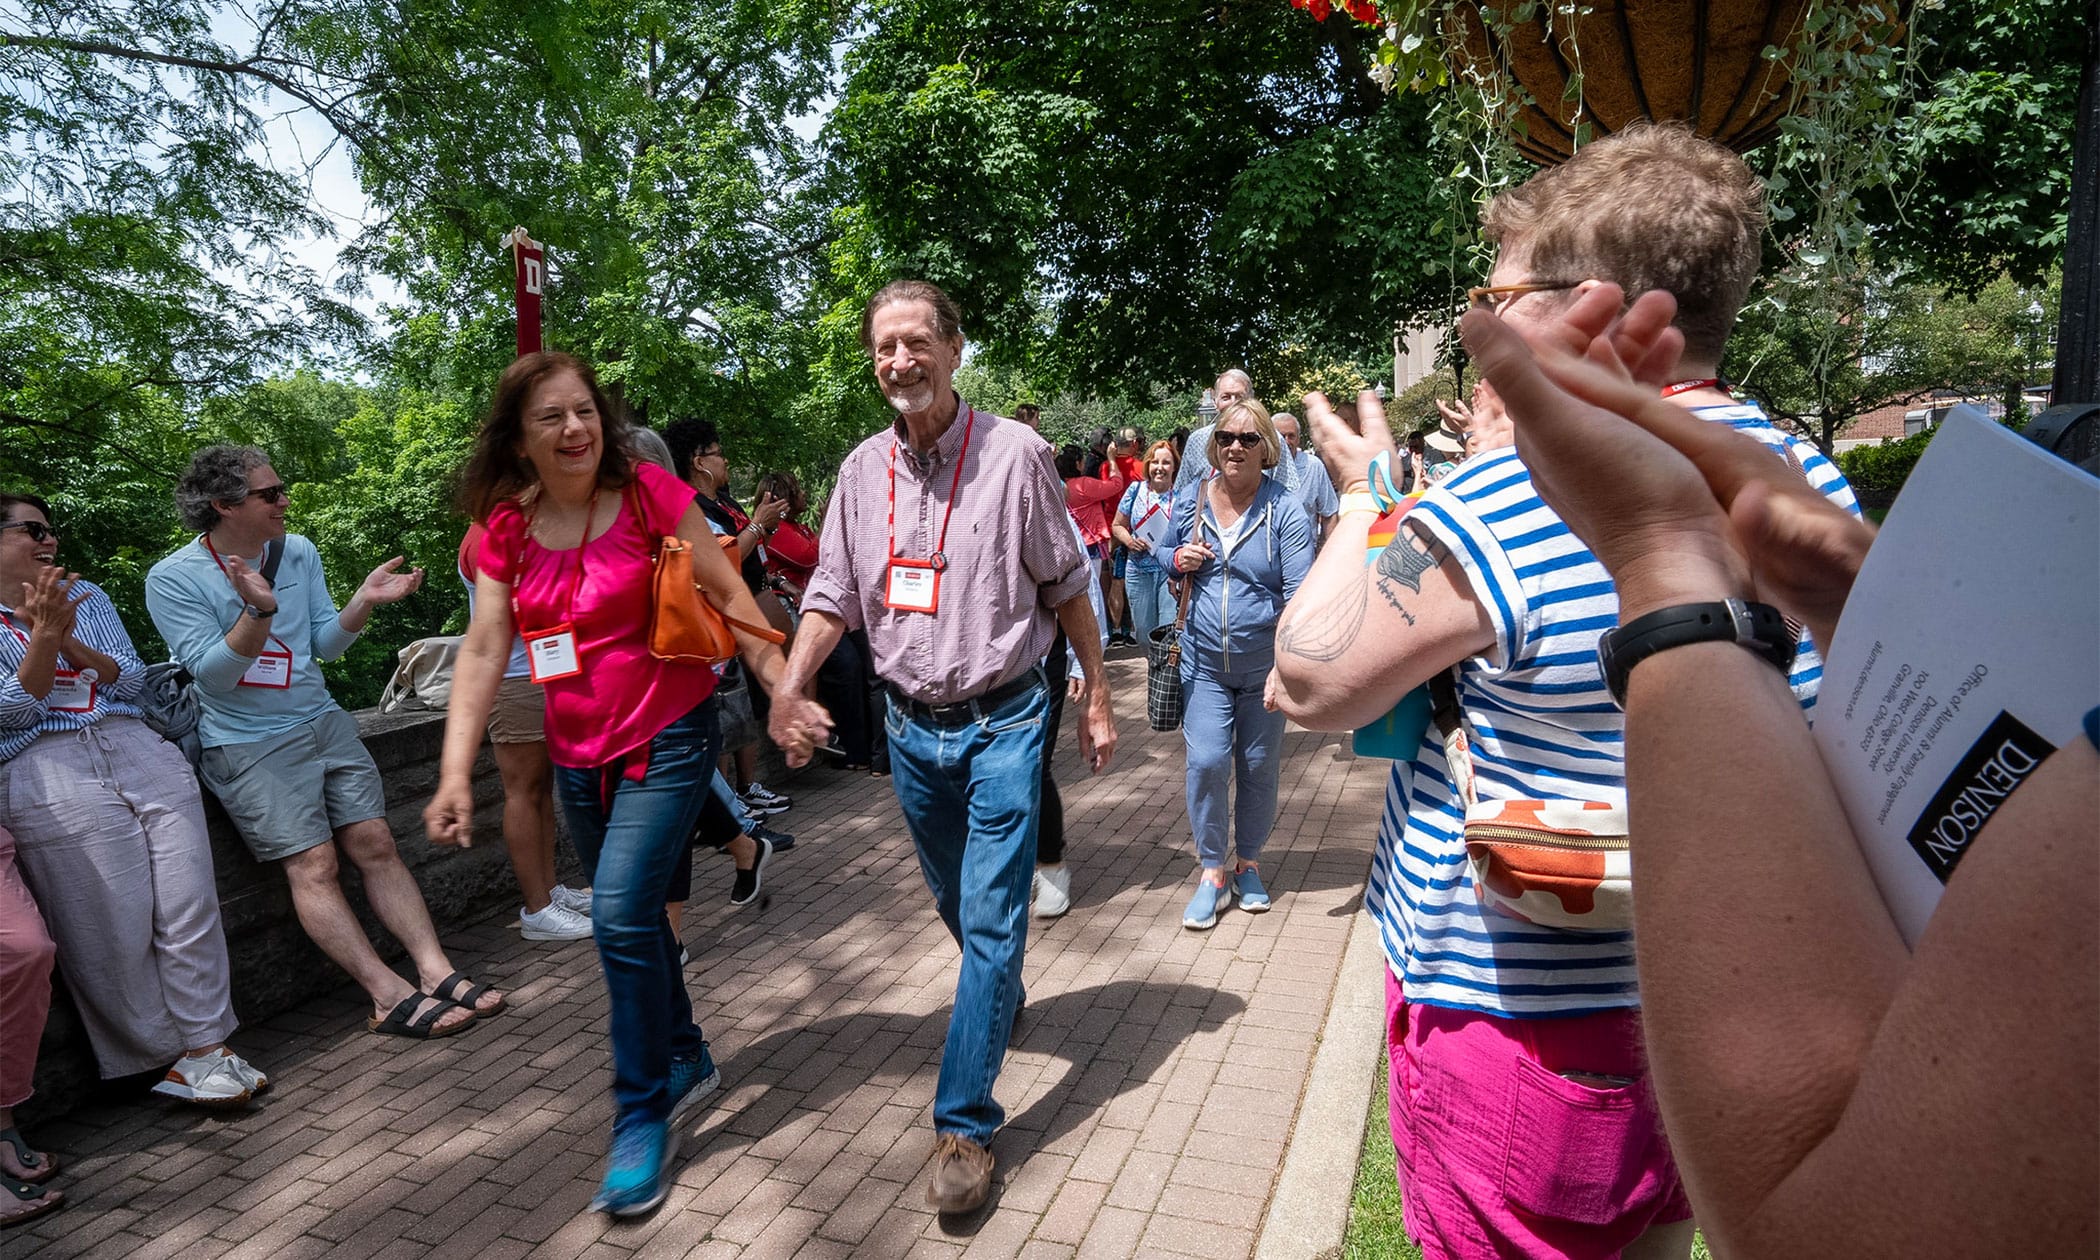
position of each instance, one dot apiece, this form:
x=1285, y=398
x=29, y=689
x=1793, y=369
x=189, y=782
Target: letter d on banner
x=529, y=261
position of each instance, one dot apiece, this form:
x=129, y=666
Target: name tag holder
x=551, y=654
x=915, y=585
x=72, y=691
x=271, y=669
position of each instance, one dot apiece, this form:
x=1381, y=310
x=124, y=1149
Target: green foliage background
x=1125, y=199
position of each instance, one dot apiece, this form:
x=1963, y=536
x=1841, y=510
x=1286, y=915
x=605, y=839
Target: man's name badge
x=913, y=587
x=272, y=669
x=551, y=654
x=72, y=691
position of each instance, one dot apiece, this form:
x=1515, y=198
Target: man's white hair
x=1245, y=381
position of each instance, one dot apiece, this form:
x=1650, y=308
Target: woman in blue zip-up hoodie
x=1245, y=544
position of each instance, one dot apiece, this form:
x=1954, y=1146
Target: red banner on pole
x=529, y=259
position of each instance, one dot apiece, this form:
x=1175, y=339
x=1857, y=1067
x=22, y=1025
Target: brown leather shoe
x=962, y=1175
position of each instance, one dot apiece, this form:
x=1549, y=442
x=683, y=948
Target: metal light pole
x=2071, y=427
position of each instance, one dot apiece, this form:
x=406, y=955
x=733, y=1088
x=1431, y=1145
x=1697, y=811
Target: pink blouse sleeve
x=664, y=499
x=501, y=544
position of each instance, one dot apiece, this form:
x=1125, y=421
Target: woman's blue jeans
x=1235, y=755
x=629, y=846
x=970, y=795
x=1151, y=603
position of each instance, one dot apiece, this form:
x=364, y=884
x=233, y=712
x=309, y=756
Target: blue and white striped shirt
x=23, y=717
x=1542, y=727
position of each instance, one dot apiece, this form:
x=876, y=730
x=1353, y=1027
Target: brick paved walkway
x=1149, y=1094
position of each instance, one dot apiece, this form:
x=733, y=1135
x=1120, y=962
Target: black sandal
x=39, y=1166
x=449, y=990
x=31, y=1200
x=423, y=1027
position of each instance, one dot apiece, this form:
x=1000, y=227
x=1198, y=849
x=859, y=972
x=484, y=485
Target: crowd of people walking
x=1558, y=1084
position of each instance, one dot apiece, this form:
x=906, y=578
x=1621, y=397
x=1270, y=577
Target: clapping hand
x=385, y=585
x=50, y=604
x=1458, y=417
x=1675, y=506
x=1349, y=451
x=253, y=588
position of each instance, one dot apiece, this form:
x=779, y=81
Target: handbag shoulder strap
x=1450, y=717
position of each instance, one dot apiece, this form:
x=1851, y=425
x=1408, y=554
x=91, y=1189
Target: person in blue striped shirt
x=1521, y=1113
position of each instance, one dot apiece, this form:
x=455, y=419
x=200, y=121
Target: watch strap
x=1758, y=627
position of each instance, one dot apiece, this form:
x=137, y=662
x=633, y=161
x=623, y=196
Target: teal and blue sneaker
x=1210, y=901
x=636, y=1176
x=692, y=1080
x=1247, y=887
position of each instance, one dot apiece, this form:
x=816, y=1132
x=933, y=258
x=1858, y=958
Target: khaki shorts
x=291, y=792
x=520, y=713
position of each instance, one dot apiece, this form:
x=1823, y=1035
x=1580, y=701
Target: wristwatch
x=1759, y=627
x=258, y=612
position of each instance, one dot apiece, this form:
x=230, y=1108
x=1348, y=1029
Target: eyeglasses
x=1495, y=298
x=1239, y=439
x=37, y=530
x=272, y=495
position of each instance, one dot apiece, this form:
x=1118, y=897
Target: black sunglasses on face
x=272, y=495
x=1239, y=439
x=37, y=530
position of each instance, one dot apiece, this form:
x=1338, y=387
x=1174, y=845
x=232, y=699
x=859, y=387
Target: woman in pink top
x=573, y=526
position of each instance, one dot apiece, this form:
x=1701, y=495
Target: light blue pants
x=1151, y=603
x=1234, y=745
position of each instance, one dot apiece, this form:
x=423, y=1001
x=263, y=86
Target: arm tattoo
x=1325, y=633
x=1407, y=564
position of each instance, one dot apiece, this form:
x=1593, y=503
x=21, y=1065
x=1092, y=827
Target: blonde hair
x=1252, y=410
x=1650, y=207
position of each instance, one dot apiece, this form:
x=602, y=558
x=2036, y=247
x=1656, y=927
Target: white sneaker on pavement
x=257, y=1079
x=1053, y=891
x=571, y=899
x=555, y=923
x=209, y=1081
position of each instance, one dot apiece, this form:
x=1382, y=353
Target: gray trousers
x=109, y=833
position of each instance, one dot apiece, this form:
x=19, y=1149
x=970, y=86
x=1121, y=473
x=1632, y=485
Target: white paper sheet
x=1969, y=648
x=1153, y=529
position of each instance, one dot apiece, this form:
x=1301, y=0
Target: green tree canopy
x=1121, y=195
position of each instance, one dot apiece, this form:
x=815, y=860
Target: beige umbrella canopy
x=1700, y=61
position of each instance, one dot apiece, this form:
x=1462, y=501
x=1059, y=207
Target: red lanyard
x=17, y=629
x=206, y=540
x=590, y=518
x=1685, y=387
x=939, y=559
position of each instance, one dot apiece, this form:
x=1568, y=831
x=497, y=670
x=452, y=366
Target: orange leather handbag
x=684, y=625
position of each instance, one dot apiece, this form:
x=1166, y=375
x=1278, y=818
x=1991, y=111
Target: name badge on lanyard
x=915, y=585
x=551, y=654
x=272, y=669
x=72, y=691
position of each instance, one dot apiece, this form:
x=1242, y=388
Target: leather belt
x=964, y=712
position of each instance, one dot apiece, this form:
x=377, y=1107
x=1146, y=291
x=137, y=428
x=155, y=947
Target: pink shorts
x=1501, y=1154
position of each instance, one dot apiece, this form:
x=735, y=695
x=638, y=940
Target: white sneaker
x=210, y=1081
x=570, y=899
x=556, y=923
x=1053, y=891
x=257, y=1079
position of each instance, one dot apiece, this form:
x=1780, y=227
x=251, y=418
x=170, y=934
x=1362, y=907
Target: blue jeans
x=1233, y=742
x=1151, y=603
x=629, y=849
x=970, y=795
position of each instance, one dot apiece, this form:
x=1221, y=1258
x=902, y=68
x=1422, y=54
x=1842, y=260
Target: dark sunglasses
x=37, y=530
x=1239, y=439
x=272, y=495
